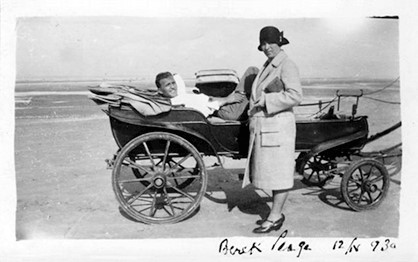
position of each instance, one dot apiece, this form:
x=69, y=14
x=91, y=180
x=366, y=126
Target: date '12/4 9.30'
x=355, y=246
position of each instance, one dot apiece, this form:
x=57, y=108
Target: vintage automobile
x=159, y=175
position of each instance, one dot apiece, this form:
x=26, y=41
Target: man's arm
x=234, y=97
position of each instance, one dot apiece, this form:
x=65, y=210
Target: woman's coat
x=270, y=162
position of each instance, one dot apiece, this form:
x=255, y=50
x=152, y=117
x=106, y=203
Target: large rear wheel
x=168, y=182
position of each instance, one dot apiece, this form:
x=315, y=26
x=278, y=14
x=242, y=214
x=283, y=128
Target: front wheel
x=365, y=184
x=171, y=183
x=314, y=168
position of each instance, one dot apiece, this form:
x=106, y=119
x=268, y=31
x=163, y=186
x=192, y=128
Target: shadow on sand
x=248, y=200
x=251, y=200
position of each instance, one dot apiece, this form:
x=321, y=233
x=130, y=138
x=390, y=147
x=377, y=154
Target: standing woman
x=275, y=91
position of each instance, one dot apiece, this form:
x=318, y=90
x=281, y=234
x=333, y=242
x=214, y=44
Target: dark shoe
x=276, y=225
x=260, y=222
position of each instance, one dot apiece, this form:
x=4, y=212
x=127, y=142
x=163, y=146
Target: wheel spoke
x=167, y=147
x=370, y=197
x=183, y=193
x=361, y=174
x=179, y=208
x=353, y=190
x=366, y=176
x=133, y=164
x=353, y=184
x=134, y=180
x=135, y=197
x=175, y=179
x=371, y=170
x=144, y=209
x=374, y=180
x=168, y=198
x=148, y=201
x=176, y=166
x=169, y=165
x=358, y=184
x=360, y=196
x=148, y=153
x=154, y=202
x=184, y=176
x=309, y=178
x=379, y=189
x=159, y=162
x=319, y=177
x=168, y=212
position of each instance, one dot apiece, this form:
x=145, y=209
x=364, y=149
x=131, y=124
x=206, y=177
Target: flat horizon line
x=95, y=80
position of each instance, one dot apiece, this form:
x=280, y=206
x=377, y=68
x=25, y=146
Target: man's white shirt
x=200, y=102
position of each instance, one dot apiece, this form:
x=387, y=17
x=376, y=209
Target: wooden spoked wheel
x=168, y=182
x=314, y=168
x=365, y=184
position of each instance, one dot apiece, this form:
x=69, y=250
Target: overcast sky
x=137, y=47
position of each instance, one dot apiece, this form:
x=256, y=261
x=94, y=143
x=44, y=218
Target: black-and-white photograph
x=254, y=136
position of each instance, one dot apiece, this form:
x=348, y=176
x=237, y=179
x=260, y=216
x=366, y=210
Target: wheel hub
x=159, y=181
x=369, y=187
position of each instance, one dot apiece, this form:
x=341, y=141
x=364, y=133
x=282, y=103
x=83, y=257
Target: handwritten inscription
x=280, y=245
x=225, y=248
x=290, y=246
x=382, y=245
x=354, y=246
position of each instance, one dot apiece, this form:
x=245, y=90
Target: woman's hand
x=261, y=102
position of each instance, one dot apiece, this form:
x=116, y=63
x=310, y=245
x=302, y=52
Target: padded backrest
x=216, y=82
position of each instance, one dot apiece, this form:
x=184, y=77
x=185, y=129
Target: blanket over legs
x=145, y=102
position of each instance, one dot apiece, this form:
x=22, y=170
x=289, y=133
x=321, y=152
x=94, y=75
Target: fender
x=163, y=126
x=336, y=142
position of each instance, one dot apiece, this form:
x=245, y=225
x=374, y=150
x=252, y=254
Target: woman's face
x=270, y=49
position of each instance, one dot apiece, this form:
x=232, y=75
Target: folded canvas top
x=216, y=82
x=216, y=75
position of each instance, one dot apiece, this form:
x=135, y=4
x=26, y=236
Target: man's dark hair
x=160, y=76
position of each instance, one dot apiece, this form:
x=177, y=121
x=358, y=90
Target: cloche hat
x=271, y=34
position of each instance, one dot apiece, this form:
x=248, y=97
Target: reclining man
x=172, y=86
x=232, y=107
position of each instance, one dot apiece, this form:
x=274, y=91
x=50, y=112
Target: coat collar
x=277, y=60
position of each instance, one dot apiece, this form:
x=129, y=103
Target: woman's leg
x=279, y=198
x=275, y=219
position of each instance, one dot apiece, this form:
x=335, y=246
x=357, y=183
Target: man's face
x=270, y=50
x=168, y=87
